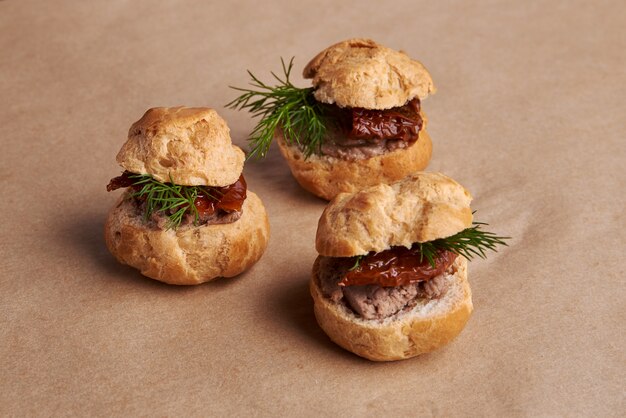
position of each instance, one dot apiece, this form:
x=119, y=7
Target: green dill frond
x=357, y=262
x=282, y=106
x=469, y=243
x=173, y=200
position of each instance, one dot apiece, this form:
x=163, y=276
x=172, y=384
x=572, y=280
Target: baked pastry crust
x=362, y=73
x=186, y=146
x=422, y=207
x=425, y=327
x=326, y=176
x=189, y=254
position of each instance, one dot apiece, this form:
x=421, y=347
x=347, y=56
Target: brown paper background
x=530, y=116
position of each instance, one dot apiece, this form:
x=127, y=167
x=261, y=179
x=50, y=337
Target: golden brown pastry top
x=192, y=146
x=362, y=73
x=422, y=207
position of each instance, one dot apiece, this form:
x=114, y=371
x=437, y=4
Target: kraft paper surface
x=530, y=116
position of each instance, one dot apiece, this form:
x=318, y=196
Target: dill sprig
x=357, y=262
x=282, y=106
x=468, y=243
x=171, y=199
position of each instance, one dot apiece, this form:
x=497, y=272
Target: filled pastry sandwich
x=360, y=124
x=186, y=216
x=390, y=281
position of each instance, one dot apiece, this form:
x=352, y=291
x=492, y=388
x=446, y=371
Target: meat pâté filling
x=382, y=284
x=211, y=205
x=359, y=133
